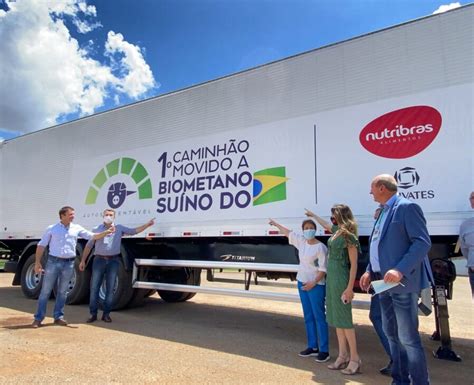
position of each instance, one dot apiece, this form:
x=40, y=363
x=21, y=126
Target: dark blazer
x=404, y=244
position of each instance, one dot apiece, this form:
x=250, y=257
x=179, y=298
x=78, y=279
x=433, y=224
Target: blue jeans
x=100, y=268
x=375, y=316
x=314, y=311
x=470, y=271
x=400, y=323
x=60, y=271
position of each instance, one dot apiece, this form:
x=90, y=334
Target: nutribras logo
x=402, y=133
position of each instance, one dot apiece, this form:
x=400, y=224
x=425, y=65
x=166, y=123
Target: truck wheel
x=123, y=290
x=78, y=289
x=184, y=277
x=138, y=297
x=30, y=281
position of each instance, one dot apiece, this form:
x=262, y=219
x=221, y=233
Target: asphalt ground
x=208, y=340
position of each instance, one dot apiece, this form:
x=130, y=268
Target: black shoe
x=106, y=318
x=36, y=324
x=322, y=357
x=387, y=370
x=309, y=352
x=60, y=322
x=92, y=318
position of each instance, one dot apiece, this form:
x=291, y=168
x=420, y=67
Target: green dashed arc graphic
x=126, y=166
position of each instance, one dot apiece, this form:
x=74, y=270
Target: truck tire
x=30, y=281
x=138, y=297
x=185, y=277
x=123, y=290
x=78, y=290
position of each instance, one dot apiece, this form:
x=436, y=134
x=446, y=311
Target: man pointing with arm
x=106, y=262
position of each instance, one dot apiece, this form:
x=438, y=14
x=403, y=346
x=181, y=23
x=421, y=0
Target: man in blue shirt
x=62, y=240
x=106, y=262
x=375, y=316
x=399, y=247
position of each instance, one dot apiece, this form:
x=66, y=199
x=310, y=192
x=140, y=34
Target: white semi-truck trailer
x=214, y=161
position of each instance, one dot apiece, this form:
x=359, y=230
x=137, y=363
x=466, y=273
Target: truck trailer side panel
x=303, y=118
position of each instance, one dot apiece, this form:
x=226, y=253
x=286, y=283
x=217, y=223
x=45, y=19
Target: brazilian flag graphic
x=269, y=185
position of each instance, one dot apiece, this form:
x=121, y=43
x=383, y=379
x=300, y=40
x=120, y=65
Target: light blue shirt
x=62, y=240
x=110, y=244
x=375, y=237
x=466, y=234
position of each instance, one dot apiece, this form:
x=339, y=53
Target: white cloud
x=138, y=77
x=87, y=9
x=81, y=14
x=446, y=7
x=46, y=75
x=84, y=26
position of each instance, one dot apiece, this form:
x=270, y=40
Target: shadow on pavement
x=262, y=335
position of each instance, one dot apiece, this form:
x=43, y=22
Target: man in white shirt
x=62, y=241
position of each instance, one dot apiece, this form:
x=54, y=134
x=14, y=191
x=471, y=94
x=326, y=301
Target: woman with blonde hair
x=343, y=248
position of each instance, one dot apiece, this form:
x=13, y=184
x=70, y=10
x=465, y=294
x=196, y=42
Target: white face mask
x=108, y=219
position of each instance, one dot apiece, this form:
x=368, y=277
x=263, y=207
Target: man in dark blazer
x=399, y=247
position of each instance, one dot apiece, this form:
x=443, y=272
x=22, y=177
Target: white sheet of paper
x=380, y=286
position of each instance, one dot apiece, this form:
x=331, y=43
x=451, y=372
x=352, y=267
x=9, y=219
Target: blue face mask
x=309, y=234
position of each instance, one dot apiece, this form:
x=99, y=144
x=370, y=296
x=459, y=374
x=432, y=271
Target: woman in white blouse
x=311, y=287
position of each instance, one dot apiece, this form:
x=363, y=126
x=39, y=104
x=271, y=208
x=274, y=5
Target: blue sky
x=73, y=58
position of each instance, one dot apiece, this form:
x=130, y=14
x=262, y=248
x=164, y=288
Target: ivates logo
x=407, y=177
x=402, y=133
x=117, y=190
